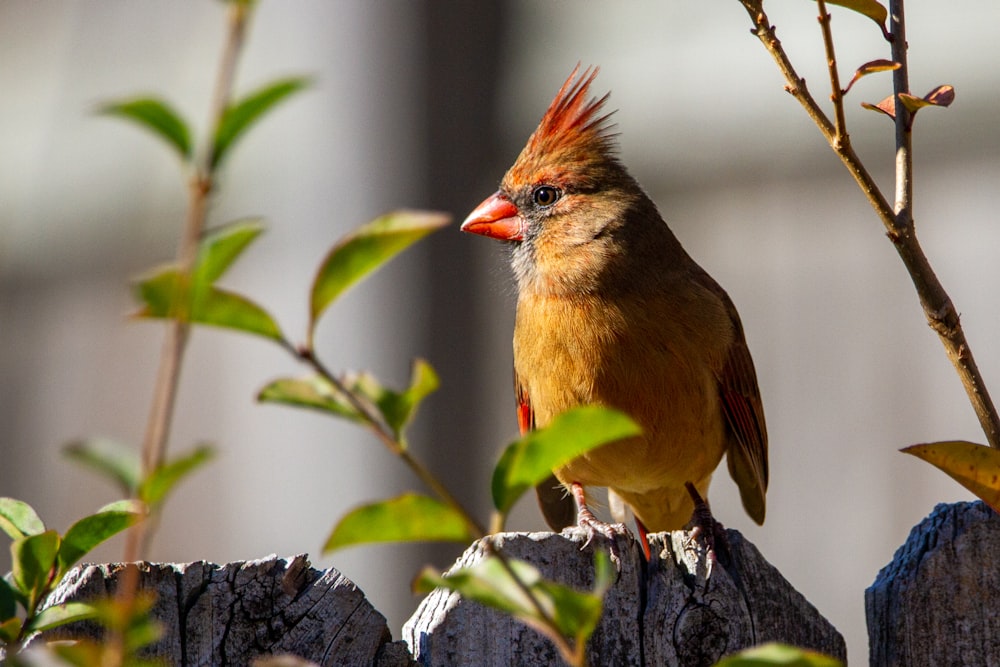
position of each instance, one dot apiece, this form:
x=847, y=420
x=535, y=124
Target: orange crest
x=572, y=122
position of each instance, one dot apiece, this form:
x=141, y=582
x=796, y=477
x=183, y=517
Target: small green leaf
x=161, y=481
x=870, y=8
x=91, y=530
x=10, y=630
x=18, y=518
x=166, y=295
x=245, y=112
x=221, y=246
x=110, y=458
x=778, y=655
x=34, y=560
x=399, y=409
x=53, y=617
x=407, y=518
x=8, y=601
x=529, y=460
x=156, y=116
x=976, y=467
x=312, y=392
x=366, y=249
x=576, y=613
x=871, y=68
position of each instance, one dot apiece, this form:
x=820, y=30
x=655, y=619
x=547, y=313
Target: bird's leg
x=705, y=526
x=590, y=523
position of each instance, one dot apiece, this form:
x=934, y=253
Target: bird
x=612, y=311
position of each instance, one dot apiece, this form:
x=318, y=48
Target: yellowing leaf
x=870, y=8
x=976, y=467
x=872, y=67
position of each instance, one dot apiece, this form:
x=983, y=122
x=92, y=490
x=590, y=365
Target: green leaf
x=410, y=517
x=775, y=655
x=91, y=530
x=156, y=116
x=10, y=630
x=18, y=519
x=166, y=295
x=976, y=467
x=366, y=249
x=575, y=613
x=245, y=112
x=34, y=560
x=161, y=481
x=68, y=612
x=399, y=409
x=529, y=460
x=870, y=8
x=220, y=247
x=312, y=392
x=110, y=458
x=8, y=601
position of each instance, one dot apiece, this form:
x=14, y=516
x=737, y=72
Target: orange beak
x=497, y=218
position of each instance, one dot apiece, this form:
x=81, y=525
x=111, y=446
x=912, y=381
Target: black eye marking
x=545, y=195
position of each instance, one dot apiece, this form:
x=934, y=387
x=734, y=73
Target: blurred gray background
x=425, y=104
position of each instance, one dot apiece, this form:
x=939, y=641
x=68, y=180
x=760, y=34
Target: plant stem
x=837, y=94
x=938, y=308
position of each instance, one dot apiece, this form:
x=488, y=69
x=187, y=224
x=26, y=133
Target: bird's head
x=564, y=197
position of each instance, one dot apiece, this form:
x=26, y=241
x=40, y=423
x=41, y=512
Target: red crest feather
x=572, y=122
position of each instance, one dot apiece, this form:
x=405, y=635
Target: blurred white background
x=424, y=104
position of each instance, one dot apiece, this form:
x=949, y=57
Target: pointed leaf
x=312, y=392
x=165, y=293
x=18, y=519
x=531, y=459
x=870, y=8
x=366, y=249
x=886, y=106
x=161, y=481
x=942, y=96
x=221, y=246
x=410, y=517
x=778, y=655
x=399, y=409
x=871, y=68
x=156, y=116
x=91, y=530
x=110, y=458
x=34, y=560
x=245, y=112
x=68, y=612
x=976, y=467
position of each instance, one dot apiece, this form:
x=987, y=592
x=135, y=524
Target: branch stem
x=897, y=218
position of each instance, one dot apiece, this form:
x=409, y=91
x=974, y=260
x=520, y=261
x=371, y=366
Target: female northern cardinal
x=611, y=310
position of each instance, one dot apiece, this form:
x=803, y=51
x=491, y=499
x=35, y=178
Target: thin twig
x=938, y=308
x=837, y=94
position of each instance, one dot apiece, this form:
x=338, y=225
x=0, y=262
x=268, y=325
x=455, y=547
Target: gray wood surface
x=678, y=609
x=938, y=601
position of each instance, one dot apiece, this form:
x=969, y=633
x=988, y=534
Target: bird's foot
x=594, y=526
x=706, y=530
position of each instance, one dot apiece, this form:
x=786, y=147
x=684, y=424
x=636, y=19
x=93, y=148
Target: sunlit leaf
x=871, y=68
x=312, y=392
x=91, y=530
x=886, y=106
x=576, y=613
x=410, y=517
x=156, y=116
x=110, y=458
x=529, y=460
x=976, y=467
x=162, y=480
x=870, y=8
x=245, y=112
x=18, y=518
x=778, y=655
x=942, y=96
x=34, y=560
x=399, y=408
x=221, y=246
x=68, y=612
x=10, y=630
x=366, y=249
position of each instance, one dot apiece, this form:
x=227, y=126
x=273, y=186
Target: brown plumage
x=611, y=310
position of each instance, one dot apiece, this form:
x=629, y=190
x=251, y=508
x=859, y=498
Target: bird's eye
x=545, y=195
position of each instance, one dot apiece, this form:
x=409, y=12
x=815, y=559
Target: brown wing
x=557, y=505
x=747, y=452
